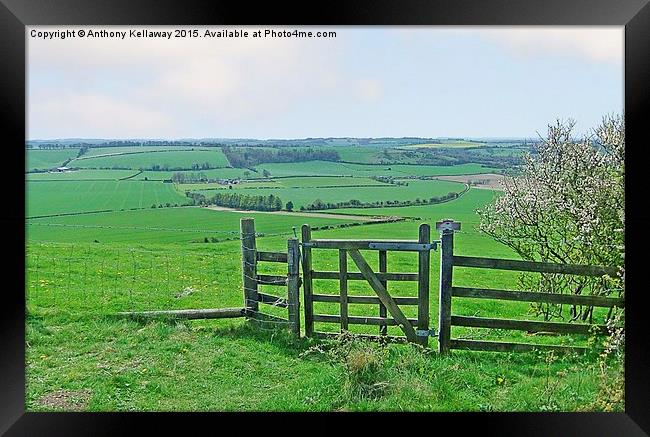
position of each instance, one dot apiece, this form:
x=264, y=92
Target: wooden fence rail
x=447, y=291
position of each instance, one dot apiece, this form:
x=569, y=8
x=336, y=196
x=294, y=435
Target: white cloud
x=370, y=90
x=217, y=80
x=95, y=115
x=598, y=44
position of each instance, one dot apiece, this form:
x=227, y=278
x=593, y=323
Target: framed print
x=380, y=208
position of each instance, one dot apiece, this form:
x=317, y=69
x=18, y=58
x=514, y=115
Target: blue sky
x=366, y=82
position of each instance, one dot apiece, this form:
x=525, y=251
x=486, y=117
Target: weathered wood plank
x=272, y=300
x=526, y=325
x=423, y=283
x=363, y=299
x=531, y=266
x=277, y=257
x=356, y=276
x=533, y=296
x=272, y=280
x=249, y=263
x=343, y=288
x=368, y=337
x=361, y=320
x=307, y=280
x=214, y=313
x=390, y=304
x=383, y=268
x=350, y=244
x=494, y=346
x=293, y=286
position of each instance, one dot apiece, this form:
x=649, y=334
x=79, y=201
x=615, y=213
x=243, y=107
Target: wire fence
x=77, y=278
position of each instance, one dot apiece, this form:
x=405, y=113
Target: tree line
x=238, y=201
x=320, y=205
x=240, y=157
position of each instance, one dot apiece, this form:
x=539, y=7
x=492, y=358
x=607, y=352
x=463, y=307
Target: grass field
x=170, y=159
x=61, y=197
x=162, y=225
x=109, y=175
x=95, y=151
x=47, y=159
x=83, y=268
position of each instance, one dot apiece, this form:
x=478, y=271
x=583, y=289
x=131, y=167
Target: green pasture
x=47, y=159
x=163, y=225
x=77, y=175
x=63, y=197
x=167, y=159
x=95, y=151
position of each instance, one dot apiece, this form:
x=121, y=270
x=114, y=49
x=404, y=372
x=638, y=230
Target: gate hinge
x=425, y=332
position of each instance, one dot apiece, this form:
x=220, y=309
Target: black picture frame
x=16, y=14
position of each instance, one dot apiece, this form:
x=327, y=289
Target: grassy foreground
x=80, y=357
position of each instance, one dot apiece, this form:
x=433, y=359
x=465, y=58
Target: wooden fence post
x=423, y=284
x=446, y=228
x=307, y=284
x=343, y=288
x=383, y=268
x=249, y=266
x=293, y=295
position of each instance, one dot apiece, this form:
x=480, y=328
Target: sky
x=365, y=82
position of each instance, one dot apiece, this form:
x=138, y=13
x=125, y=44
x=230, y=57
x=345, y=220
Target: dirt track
x=362, y=218
x=490, y=181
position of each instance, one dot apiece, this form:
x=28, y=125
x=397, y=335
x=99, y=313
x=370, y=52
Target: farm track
x=363, y=218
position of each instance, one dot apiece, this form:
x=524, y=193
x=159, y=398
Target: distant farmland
x=60, y=197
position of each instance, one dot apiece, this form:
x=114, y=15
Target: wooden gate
x=252, y=279
x=415, y=330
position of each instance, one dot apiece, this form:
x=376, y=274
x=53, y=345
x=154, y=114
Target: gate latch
x=425, y=332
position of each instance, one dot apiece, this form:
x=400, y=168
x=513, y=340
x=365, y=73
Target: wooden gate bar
x=356, y=276
x=423, y=284
x=363, y=299
x=272, y=300
x=533, y=266
x=361, y=320
x=343, y=287
x=535, y=296
x=278, y=257
x=375, y=283
x=526, y=325
x=353, y=244
x=495, y=346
